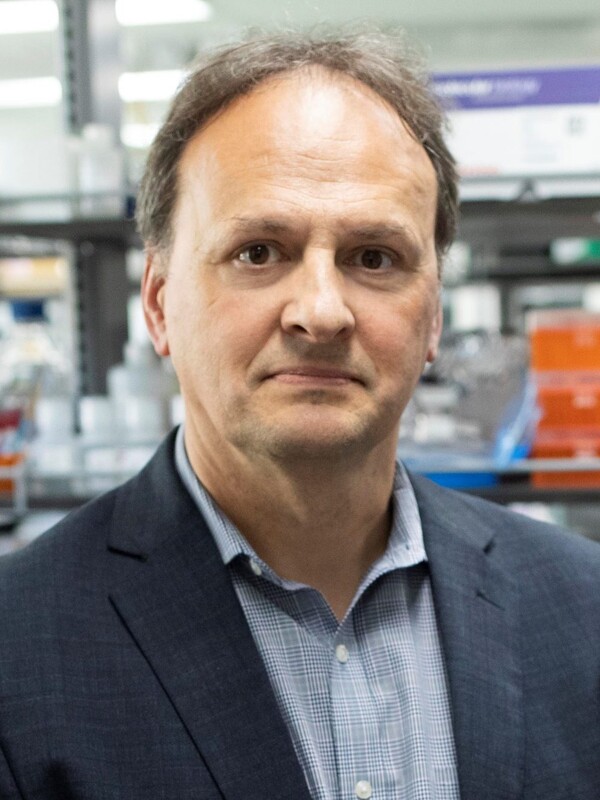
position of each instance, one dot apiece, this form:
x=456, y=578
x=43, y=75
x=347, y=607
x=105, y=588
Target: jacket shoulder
x=513, y=537
x=78, y=538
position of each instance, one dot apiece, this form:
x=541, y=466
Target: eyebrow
x=361, y=232
x=387, y=231
x=262, y=223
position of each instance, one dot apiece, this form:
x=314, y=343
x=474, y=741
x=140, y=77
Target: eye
x=373, y=259
x=259, y=254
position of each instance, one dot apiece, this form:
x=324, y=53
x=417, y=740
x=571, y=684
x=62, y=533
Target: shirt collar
x=405, y=546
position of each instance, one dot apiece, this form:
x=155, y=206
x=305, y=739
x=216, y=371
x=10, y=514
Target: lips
x=300, y=374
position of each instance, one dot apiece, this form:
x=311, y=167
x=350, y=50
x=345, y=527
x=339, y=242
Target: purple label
x=574, y=85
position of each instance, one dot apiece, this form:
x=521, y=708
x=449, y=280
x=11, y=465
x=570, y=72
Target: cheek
x=234, y=329
x=398, y=340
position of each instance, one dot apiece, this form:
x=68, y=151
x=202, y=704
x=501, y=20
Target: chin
x=312, y=431
x=309, y=449
x=320, y=440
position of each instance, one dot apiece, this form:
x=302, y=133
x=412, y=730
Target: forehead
x=317, y=128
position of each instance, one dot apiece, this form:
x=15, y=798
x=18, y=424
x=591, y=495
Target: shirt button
x=255, y=567
x=363, y=790
x=342, y=655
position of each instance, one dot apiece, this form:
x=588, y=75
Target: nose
x=318, y=310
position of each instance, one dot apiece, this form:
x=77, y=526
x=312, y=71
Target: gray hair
x=385, y=62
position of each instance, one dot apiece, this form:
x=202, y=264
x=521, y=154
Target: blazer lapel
x=477, y=612
x=179, y=605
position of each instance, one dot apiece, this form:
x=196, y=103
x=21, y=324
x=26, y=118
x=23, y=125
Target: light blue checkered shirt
x=365, y=700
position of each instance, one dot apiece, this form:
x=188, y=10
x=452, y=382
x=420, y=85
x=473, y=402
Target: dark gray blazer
x=127, y=670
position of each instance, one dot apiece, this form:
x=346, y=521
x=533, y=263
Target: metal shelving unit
x=69, y=489
x=509, y=238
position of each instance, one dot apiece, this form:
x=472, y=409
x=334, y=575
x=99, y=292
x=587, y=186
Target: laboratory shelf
x=39, y=496
x=68, y=490
x=70, y=217
x=72, y=230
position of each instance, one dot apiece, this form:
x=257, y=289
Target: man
x=273, y=608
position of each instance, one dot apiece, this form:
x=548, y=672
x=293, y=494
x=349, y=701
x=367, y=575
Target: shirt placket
x=356, y=778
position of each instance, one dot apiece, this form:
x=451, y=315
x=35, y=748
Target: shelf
x=533, y=266
x=519, y=216
x=68, y=490
x=71, y=217
x=529, y=188
x=505, y=493
x=513, y=480
x=524, y=466
x=490, y=223
x=74, y=230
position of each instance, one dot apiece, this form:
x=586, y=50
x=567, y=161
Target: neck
x=318, y=522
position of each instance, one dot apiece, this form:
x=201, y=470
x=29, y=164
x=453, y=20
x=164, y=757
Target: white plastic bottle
x=101, y=173
x=140, y=390
x=31, y=363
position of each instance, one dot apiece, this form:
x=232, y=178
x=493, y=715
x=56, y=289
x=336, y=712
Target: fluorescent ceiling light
x=149, y=86
x=162, y=12
x=28, y=16
x=139, y=135
x=30, y=92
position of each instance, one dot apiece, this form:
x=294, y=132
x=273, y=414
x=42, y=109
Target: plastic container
x=32, y=366
x=98, y=445
x=473, y=413
x=101, y=174
x=140, y=390
x=53, y=450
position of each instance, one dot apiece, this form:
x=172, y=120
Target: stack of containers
x=565, y=359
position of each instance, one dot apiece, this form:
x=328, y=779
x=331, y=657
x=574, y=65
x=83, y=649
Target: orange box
x=564, y=443
x=564, y=340
x=569, y=403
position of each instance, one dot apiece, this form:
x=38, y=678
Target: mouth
x=324, y=376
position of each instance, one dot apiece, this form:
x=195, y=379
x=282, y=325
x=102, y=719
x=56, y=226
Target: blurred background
x=510, y=410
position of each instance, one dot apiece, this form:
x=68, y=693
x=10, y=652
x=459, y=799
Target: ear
x=153, y=300
x=435, y=334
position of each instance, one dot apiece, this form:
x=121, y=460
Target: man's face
x=299, y=301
